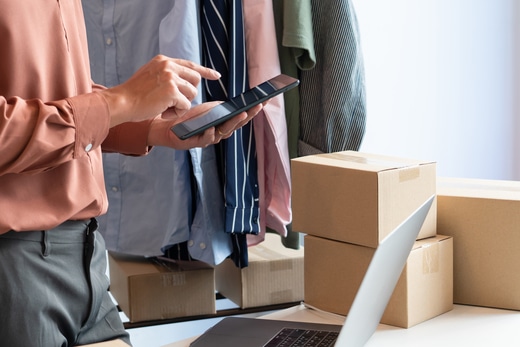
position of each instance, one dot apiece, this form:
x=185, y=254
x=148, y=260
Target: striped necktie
x=224, y=50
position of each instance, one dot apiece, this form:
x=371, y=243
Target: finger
x=176, y=112
x=186, y=88
x=169, y=68
x=207, y=138
x=178, y=107
x=178, y=79
x=204, y=72
x=253, y=111
x=246, y=117
x=221, y=132
x=190, y=76
x=226, y=129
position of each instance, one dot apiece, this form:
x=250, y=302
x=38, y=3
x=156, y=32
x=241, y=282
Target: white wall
x=443, y=79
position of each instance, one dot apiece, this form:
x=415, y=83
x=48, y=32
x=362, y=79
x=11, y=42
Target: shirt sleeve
x=37, y=136
x=128, y=138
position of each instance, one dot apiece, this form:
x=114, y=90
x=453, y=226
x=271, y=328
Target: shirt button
x=108, y=41
x=202, y=245
x=88, y=147
x=115, y=189
x=190, y=243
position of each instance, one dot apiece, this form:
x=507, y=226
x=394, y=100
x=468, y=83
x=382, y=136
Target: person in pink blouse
x=54, y=124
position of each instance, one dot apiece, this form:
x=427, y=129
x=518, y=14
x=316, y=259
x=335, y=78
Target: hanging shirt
x=294, y=35
x=208, y=242
x=52, y=124
x=224, y=50
x=153, y=202
x=274, y=177
x=333, y=106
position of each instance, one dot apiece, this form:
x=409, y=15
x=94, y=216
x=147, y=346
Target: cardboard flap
x=478, y=188
x=362, y=161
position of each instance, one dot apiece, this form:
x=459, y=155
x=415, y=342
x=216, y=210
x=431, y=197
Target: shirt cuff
x=92, y=121
x=128, y=138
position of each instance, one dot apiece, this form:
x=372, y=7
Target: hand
x=161, y=135
x=161, y=84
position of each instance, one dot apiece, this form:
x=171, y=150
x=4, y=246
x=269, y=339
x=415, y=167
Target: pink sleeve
x=36, y=136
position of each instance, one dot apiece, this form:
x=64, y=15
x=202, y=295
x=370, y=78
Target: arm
x=128, y=138
x=36, y=136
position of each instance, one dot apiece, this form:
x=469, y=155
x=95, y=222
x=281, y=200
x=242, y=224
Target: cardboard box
x=483, y=216
x=151, y=290
x=359, y=198
x=274, y=275
x=112, y=343
x=334, y=271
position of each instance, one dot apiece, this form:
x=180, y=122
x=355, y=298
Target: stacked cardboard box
x=483, y=216
x=347, y=203
x=359, y=198
x=334, y=271
x=153, y=289
x=274, y=275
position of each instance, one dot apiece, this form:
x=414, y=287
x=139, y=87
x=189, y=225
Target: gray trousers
x=54, y=288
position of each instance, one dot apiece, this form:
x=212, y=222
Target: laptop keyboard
x=303, y=337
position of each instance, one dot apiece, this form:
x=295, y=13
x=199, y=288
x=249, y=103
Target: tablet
x=234, y=106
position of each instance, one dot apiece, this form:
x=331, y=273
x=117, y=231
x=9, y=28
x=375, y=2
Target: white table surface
x=463, y=326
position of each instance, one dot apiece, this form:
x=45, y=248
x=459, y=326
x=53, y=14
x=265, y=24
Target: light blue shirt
x=168, y=196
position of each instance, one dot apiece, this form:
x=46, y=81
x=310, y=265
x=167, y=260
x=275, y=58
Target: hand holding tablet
x=234, y=106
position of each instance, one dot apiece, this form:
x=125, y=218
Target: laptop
x=363, y=317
